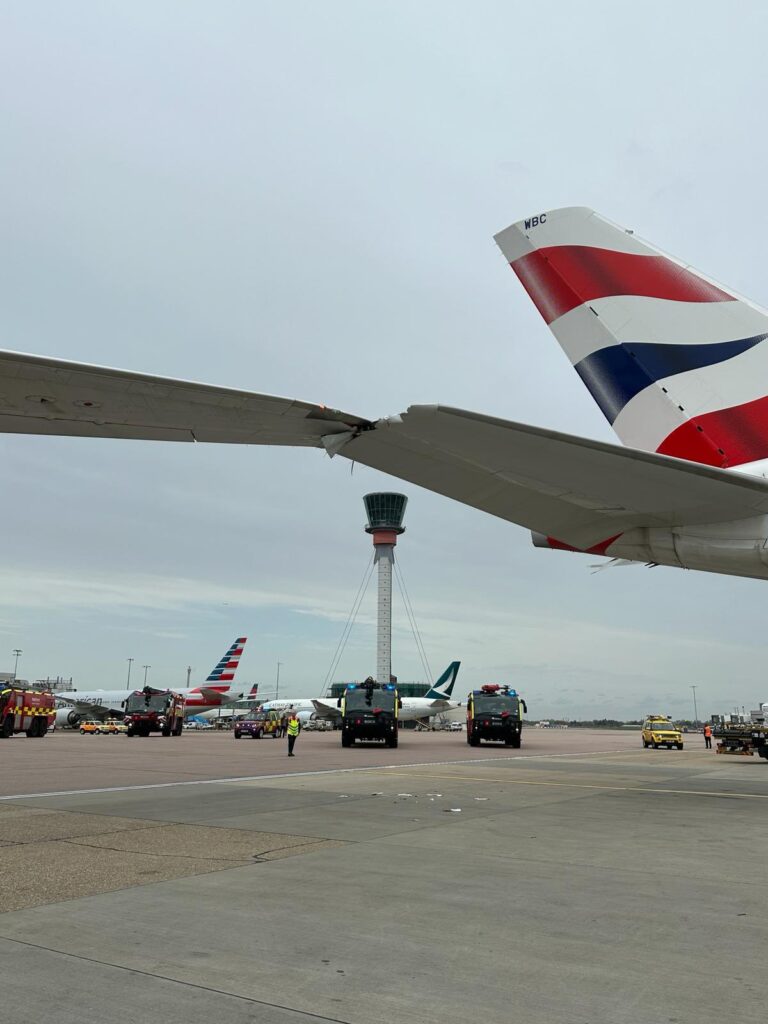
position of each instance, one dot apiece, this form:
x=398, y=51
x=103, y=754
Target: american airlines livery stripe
x=677, y=364
x=225, y=670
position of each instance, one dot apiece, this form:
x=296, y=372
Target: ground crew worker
x=294, y=727
x=708, y=736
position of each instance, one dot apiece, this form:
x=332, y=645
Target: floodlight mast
x=385, y=513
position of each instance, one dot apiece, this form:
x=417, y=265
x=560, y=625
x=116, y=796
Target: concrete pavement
x=618, y=887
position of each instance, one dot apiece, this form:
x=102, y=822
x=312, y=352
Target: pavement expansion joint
x=308, y=1014
x=657, y=790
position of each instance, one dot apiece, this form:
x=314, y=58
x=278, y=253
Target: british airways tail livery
x=677, y=363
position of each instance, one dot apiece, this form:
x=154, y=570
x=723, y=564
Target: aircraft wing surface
x=577, y=490
x=327, y=710
x=87, y=707
x=213, y=695
x=39, y=395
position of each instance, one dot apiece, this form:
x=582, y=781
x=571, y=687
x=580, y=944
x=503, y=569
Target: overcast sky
x=299, y=198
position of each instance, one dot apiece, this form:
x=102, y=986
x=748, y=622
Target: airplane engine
x=68, y=718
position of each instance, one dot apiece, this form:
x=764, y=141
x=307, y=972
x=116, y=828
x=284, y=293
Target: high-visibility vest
x=293, y=727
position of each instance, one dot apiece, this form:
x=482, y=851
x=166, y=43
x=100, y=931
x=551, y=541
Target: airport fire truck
x=495, y=713
x=369, y=711
x=29, y=711
x=151, y=710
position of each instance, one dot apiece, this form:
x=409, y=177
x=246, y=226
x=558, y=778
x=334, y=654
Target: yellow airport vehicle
x=114, y=726
x=91, y=726
x=659, y=731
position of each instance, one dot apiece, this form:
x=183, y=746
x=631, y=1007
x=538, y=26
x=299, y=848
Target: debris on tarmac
x=452, y=810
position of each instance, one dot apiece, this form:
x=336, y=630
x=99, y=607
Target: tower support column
x=385, y=556
x=385, y=524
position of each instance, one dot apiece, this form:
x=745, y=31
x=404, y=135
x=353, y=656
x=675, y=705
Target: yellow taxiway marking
x=579, y=785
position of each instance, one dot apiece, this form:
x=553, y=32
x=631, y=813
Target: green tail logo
x=443, y=688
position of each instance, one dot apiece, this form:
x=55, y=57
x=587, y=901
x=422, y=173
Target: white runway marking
x=294, y=775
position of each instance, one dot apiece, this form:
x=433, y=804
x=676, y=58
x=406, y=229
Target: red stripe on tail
x=728, y=437
x=561, y=277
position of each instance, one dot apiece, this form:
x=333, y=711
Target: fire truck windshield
x=495, y=703
x=138, y=702
x=360, y=699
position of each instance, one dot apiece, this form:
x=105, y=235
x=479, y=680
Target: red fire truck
x=151, y=710
x=29, y=711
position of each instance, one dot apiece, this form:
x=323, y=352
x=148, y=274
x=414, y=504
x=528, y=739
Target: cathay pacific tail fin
x=443, y=688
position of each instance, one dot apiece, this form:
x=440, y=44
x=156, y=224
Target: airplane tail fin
x=443, y=688
x=677, y=364
x=224, y=672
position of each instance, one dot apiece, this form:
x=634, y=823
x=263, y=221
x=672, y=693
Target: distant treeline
x=611, y=723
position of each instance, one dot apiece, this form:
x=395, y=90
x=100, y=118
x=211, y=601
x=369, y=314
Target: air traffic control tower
x=385, y=522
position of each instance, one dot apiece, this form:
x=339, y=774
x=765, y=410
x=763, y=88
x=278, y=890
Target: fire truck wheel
x=34, y=730
x=166, y=731
x=7, y=728
x=42, y=727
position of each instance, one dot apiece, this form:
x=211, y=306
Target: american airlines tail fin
x=443, y=688
x=677, y=363
x=224, y=672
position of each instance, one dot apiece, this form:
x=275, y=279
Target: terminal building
x=404, y=689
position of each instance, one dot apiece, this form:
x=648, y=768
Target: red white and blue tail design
x=226, y=668
x=678, y=364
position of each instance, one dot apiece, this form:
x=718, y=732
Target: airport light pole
x=277, y=680
x=146, y=669
x=18, y=653
x=130, y=662
x=695, y=708
x=189, y=673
